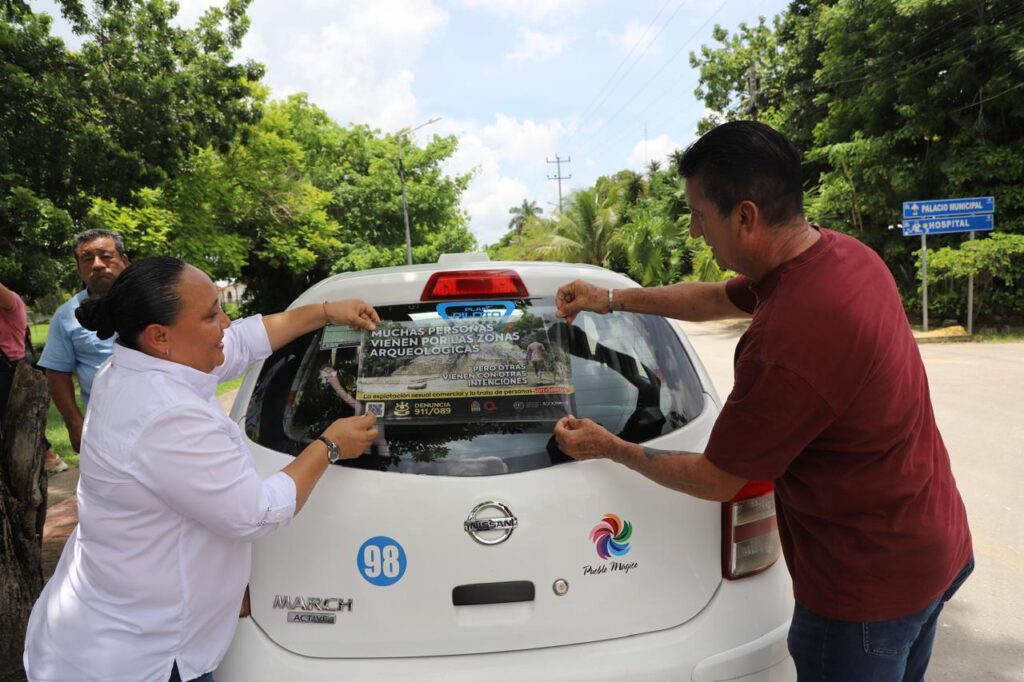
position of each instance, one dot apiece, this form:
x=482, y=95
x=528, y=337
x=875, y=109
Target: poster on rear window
x=471, y=361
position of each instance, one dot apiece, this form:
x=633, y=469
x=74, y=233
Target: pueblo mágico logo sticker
x=611, y=536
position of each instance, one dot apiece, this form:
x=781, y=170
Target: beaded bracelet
x=610, y=306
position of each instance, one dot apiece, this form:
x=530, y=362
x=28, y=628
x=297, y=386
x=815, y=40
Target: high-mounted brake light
x=462, y=284
x=750, y=532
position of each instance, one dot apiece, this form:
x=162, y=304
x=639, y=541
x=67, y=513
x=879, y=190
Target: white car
x=464, y=545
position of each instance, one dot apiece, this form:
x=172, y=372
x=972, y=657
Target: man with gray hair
x=70, y=347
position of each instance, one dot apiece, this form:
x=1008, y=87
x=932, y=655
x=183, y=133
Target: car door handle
x=493, y=593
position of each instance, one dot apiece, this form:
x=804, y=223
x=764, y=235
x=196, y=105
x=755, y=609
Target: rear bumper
x=740, y=635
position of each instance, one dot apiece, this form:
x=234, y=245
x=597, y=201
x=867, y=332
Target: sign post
x=970, y=299
x=947, y=216
x=924, y=282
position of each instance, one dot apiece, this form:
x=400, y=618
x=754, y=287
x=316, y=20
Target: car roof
x=404, y=283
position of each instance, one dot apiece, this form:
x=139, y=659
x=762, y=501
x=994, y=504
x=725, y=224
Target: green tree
x=587, y=231
x=252, y=205
x=737, y=79
x=650, y=241
x=124, y=114
x=520, y=214
x=997, y=264
x=536, y=233
x=890, y=102
x=37, y=110
x=296, y=199
x=155, y=91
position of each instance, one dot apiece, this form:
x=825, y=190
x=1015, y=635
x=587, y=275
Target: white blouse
x=168, y=503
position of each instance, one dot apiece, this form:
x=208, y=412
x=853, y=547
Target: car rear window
x=460, y=394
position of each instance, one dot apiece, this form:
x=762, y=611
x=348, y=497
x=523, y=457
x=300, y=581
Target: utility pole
x=399, y=139
x=752, y=84
x=558, y=175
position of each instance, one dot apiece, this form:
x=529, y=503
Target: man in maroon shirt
x=830, y=402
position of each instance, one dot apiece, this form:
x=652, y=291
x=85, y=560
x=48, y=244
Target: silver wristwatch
x=333, y=453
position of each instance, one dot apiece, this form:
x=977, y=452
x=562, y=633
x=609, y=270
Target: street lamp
x=401, y=176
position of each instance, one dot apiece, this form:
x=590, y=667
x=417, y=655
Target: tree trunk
x=22, y=513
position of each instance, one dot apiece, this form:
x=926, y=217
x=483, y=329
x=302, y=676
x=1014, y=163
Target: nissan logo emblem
x=491, y=523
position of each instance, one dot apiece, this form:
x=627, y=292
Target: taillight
x=750, y=532
x=474, y=284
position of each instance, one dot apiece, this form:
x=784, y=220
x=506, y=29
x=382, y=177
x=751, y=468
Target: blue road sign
x=947, y=207
x=945, y=225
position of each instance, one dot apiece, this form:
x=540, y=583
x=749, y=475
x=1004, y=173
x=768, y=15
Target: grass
x=39, y=332
x=226, y=386
x=57, y=434
x=998, y=337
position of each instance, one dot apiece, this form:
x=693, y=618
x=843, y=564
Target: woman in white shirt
x=149, y=584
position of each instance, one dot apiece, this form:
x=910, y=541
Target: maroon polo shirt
x=831, y=403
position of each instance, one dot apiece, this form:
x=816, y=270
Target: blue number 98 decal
x=381, y=561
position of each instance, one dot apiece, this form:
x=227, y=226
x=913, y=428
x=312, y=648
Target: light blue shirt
x=70, y=347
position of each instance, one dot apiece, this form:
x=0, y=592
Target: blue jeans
x=898, y=650
x=176, y=677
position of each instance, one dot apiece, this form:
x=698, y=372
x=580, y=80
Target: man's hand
x=584, y=439
x=75, y=434
x=354, y=312
x=580, y=296
x=62, y=390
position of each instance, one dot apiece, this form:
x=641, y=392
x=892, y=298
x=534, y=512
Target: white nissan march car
x=463, y=545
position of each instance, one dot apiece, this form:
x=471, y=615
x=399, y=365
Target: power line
x=990, y=97
x=589, y=109
x=950, y=50
x=586, y=109
x=589, y=144
x=866, y=68
x=665, y=92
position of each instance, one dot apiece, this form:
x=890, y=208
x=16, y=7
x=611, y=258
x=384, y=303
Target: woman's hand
x=285, y=327
x=354, y=312
x=353, y=435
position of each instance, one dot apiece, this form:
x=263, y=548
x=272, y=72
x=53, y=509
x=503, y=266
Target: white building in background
x=229, y=291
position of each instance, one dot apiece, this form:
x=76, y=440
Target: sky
x=603, y=85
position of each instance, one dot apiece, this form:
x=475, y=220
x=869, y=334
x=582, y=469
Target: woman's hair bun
x=96, y=314
x=145, y=293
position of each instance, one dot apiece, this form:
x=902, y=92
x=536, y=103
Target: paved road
x=978, y=394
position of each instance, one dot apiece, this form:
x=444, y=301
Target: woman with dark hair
x=149, y=584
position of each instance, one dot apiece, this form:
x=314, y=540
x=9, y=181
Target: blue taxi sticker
x=381, y=561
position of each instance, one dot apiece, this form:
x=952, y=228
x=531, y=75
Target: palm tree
x=652, y=246
x=702, y=259
x=588, y=231
x=520, y=214
x=676, y=157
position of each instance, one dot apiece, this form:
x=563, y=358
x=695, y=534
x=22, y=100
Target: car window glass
x=629, y=373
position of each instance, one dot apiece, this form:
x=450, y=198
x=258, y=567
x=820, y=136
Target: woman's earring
x=167, y=352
